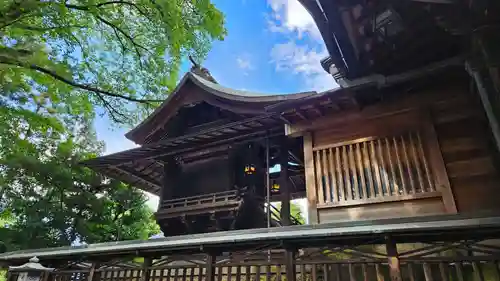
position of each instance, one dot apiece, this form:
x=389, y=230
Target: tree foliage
x=295, y=212
x=48, y=199
x=100, y=52
x=61, y=63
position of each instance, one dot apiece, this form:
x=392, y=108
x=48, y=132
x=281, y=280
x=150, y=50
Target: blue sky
x=272, y=46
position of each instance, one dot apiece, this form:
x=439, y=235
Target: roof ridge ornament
x=201, y=71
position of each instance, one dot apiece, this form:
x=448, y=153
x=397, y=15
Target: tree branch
x=36, y=28
x=73, y=83
x=86, y=8
x=117, y=29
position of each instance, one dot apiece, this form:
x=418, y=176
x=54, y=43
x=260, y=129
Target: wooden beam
x=117, y=171
x=300, y=114
x=426, y=98
x=486, y=91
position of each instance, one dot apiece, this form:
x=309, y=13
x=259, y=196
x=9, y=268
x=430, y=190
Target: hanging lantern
x=275, y=188
x=250, y=169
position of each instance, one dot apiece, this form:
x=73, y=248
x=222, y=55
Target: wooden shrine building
x=400, y=165
x=205, y=152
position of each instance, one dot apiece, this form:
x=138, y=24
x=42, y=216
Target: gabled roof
x=193, y=89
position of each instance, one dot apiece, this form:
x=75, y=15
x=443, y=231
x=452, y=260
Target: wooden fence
x=459, y=261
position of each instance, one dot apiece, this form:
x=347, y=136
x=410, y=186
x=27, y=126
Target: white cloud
x=304, y=61
x=289, y=16
x=244, y=63
x=300, y=57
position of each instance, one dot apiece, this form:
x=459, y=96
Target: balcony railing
x=199, y=204
x=211, y=198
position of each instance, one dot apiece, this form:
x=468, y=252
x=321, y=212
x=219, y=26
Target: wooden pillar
x=211, y=263
x=146, y=269
x=312, y=200
x=393, y=259
x=284, y=187
x=290, y=264
x=171, y=172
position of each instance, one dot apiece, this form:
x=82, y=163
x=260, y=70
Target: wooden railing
x=211, y=198
x=448, y=261
x=371, y=170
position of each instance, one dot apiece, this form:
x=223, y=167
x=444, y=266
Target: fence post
x=93, y=275
x=290, y=264
x=210, y=273
x=393, y=259
x=146, y=269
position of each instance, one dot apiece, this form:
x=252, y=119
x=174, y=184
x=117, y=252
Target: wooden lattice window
x=378, y=168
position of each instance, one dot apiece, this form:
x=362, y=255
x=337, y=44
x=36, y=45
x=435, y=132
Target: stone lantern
x=31, y=271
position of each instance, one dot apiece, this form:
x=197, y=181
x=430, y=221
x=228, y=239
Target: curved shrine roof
x=193, y=89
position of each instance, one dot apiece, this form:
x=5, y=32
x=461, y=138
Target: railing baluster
x=319, y=177
x=303, y=275
x=362, y=189
x=408, y=166
x=337, y=269
x=192, y=272
x=220, y=275
x=365, y=272
x=339, y=174
x=459, y=270
x=443, y=271
x=355, y=188
x=416, y=161
x=427, y=272
x=380, y=276
x=367, y=166
x=377, y=169
x=395, y=187
x=352, y=273
x=333, y=171
x=400, y=167
x=478, y=273
x=325, y=272
x=426, y=166
x=346, y=174
x=248, y=273
x=278, y=272
x=411, y=272
x=326, y=177
x=229, y=273
x=497, y=269
x=385, y=176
